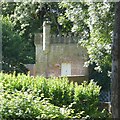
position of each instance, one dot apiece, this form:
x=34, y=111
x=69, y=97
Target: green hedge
x=25, y=106
x=33, y=98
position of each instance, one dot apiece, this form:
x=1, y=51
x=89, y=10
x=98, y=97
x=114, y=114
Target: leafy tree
x=12, y=48
x=27, y=18
x=94, y=23
x=90, y=22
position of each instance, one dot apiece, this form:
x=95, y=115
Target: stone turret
x=42, y=44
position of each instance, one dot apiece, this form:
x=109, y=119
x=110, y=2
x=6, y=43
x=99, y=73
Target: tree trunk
x=115, y=99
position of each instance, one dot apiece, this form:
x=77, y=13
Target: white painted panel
x=65, y=69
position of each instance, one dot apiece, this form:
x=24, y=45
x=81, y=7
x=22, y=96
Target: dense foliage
x=93, y=22
x=27, y=98
x=13, y=49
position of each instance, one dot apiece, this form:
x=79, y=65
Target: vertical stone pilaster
x=46, y=36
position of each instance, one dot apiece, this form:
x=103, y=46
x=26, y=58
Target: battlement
x=64, y=39
x=57, y=39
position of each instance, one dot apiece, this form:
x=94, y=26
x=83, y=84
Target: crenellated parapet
x=64, y=39
x=56, y=39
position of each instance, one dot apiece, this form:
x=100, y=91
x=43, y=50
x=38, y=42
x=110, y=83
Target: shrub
x=86, y=98
x=60, y=91
x=24, y=106
x=27, y=97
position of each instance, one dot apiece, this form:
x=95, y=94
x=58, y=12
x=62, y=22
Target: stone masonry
x=59, y=55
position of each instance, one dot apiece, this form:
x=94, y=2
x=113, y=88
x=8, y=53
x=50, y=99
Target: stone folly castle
x=59, y=55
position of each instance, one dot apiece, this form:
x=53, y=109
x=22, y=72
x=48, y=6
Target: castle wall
x=69, y=54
